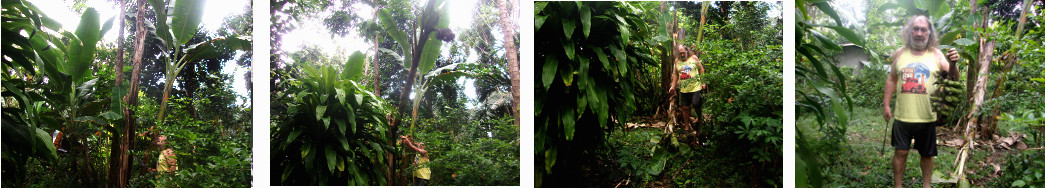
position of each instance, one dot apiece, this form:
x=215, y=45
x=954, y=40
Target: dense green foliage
x=470, y=141
x=583, y=79
x=588, y=83
x=332, y=124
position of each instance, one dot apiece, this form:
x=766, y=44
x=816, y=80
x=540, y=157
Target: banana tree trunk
x=977, y=96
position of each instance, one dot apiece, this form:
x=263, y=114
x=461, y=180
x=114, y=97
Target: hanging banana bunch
x=946, y=97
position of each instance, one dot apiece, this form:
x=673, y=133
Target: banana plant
x=421, y=50
x=174, y=36
x=47, y=81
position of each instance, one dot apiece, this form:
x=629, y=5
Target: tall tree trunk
x=114, y=153
x=376, y=63
x=130, y=125
x=508, y=28
x=703, y=12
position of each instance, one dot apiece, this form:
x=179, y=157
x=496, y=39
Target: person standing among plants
x=422, y=174
x=166, y=163
x=689, y=68
x=914, y=70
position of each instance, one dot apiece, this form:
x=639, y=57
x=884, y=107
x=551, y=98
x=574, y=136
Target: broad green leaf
x=849, y=35
x=622, y=59
x=188, y=14
x=827, y=9
x=81, y=54
x=163, y=31
x=585, y=20
x=44, y=146
x=397, y=34
x=354, y=67
x=331, y=158
x=964, y=42
x=538, y=21
x=949, y=37
x=550, y=64
x=111, y=115
x=826, y=42
x=429, y=54
x=568, y=26
x=602, y=113
x=660, y=158
x=305, y=150
x=350, y=114
x=341, y=125
x=444, y=20
x=569, y=120
x=320, y=110
x=602, y=57
x=538, y=7
x=567, y=74
x=568, y=47
x=550, y=158
x=294, y=134
x=106, y=27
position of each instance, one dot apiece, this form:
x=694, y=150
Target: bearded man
x=916, y=66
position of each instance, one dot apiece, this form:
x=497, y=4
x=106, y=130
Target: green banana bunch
x=946, y=96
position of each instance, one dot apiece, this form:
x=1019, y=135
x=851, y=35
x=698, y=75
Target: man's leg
x=685, y=117
x=927, y=171
x=699, y=103
x=899, y=165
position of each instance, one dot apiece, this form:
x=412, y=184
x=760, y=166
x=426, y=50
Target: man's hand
x=887, y=113
x=952, y=55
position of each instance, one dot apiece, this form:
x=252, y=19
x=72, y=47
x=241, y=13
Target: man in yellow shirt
x=914, y=70
x=689, y=68
x=422, y=174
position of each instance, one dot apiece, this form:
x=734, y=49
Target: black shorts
x=690, y=99
x=923, y=134
x=420, y=182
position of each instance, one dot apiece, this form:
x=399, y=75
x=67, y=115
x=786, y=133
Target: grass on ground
x=866, y=162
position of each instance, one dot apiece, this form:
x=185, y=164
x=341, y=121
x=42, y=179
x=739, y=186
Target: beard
x=919, y=45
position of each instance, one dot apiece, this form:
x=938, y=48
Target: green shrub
x=334, y=131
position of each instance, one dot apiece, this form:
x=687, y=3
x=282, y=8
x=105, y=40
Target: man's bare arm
x=890, y=86
x=944, y=60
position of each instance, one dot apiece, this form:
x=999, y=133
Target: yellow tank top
x=688, y=80
x=161, y=164
x=422, y=172
x=916, y=78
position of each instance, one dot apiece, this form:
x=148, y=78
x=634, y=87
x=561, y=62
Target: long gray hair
x=908, y=31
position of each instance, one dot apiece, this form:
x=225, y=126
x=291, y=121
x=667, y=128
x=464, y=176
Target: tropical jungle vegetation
x=991, y=118
x=80, y=109
x=338, y=112
x=605, y=116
